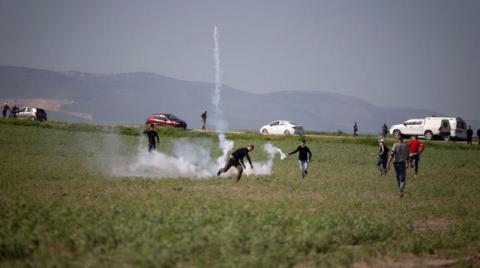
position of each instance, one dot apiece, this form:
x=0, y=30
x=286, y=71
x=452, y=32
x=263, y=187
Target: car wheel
x=264, y=131
x=428, y=135
x=32, y=118
x=286, y=132
x=396, y=133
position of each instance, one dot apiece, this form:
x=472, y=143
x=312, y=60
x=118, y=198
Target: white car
x=31, y=113
x=281, y=127
x=430, y=128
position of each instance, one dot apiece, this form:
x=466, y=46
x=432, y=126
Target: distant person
x=304, y=157
x=382, y=157
x=470, y=135
x=236, y=160
x=204, y=119
x=478, y=136
x=152, y=135
x=14, y=111
x=5, y=109
x=384, y=130
x=355, y=129
x=415, y=148
x=399, y=155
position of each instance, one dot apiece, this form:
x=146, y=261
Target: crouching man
x=236, y=160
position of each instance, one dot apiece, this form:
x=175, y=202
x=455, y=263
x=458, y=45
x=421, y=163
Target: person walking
x=384, y=130
x=415, y=148
x=5, y=109
x=204, y=119
x=478, y=136
x=382, y=157
x=236, y=160
x=304, y=157
x=470, y=135
x=152, y=135
x=399, y=155
x=355, y=129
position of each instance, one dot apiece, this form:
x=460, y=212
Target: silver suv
x=31, y=114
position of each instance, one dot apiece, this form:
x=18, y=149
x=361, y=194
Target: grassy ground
x=59, y=207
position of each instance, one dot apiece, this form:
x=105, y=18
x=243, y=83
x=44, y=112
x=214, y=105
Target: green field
x=60, y=206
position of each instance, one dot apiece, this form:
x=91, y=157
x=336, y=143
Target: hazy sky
x=405, y=53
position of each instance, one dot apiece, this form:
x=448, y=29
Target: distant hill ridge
x=127, y=98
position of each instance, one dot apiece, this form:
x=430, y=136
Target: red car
x=161, y=119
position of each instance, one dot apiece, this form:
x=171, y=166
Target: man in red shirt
x=415, y=148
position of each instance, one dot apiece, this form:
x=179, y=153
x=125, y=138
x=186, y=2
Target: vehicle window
x=22, y=110
x=159, y=117
x=172, y=117
x=275, y=124
x=29, y=110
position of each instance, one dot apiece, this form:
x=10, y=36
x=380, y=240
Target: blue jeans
x=303, y=166
x=401, y=174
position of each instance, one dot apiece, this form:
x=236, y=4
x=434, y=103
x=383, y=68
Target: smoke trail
x=219, y=121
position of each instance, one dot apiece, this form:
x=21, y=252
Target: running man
x=399, y=155
x=236, y=160
x=382, y=157
x=152, y=134
x=304, y=156
x=415, y=148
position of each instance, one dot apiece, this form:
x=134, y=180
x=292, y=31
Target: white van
x=458, y=128
x=430, y=128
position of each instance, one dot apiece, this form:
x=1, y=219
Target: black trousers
x=414, y=160
x=233, y=163
x=152, y=146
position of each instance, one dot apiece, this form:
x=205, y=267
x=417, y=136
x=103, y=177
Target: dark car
x=162, y=119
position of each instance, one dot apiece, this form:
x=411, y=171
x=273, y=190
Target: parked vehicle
x=31, y=114
x=429, y=128
x=458, y=128
x=282, y=127
x=163, y=119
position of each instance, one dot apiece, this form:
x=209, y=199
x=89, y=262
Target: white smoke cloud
x=188, y=160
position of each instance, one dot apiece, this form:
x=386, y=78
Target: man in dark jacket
x=355, y=129
x=152, y=134
x=5, y=109
x=304, y=156
x=236, y=160
x=204, y=119
x=478, y=136
x=382, y=157
x=469, y=135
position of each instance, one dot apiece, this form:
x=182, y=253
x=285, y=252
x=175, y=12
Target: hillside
x=128, y=98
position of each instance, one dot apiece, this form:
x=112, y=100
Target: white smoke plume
x=188, y=160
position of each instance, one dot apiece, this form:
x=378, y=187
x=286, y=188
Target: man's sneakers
x=219, y=172
x=306, y=172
